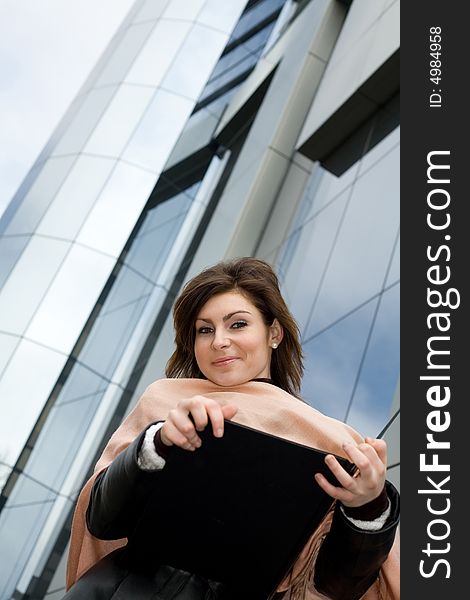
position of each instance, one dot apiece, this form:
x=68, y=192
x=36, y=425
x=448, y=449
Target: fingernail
x=219, y=432
x=198, y=443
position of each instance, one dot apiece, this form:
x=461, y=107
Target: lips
x=225, y=360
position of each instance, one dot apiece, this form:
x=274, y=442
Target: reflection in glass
x=76, y=197
x=70, y=299
x=372, y=400
x=125, y=304
x=84, y=121
x=125, y=53
x=150, y=248
x=39, y=196
x=33, y=274
x=260, y=11
x=332, y=361
x=362, y=252
x=115, y=328
x=302, y=261
x=120, y=204
x=63, y=431
x=158, y=131
x=323, y=187
x=10, y=250
x=19, y=528
x=237, y=62
x=20, y=402
x=119, y=120
x=158, y=53
x=221, y=15
x=193, y=63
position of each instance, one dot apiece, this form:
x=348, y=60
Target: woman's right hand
x=180, y=430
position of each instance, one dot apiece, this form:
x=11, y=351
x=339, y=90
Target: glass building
x=207, y=130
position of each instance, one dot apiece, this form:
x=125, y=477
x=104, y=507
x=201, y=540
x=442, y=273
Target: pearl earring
x=274, y=345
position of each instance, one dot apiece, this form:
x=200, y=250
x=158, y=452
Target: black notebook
x=238, y=510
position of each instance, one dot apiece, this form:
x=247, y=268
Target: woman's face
x=232, y=343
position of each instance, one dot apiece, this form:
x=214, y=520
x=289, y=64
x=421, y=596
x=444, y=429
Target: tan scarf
x=261, y=406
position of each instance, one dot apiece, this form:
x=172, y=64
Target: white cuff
x=374, y=525
x=148, y=459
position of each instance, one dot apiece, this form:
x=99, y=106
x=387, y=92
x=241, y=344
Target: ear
x=276, y=333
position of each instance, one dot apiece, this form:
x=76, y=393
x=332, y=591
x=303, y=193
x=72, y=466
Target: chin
x=229, y=380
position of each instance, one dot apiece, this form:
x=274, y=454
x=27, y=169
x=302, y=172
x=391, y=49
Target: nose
x=220, y=339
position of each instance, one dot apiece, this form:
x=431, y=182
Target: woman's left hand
x=370, y=457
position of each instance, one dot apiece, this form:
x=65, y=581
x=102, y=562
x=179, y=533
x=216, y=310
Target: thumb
x=229, y=411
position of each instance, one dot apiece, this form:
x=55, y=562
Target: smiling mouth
x=222, y=362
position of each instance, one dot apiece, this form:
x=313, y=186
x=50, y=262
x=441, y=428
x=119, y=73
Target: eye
x=204, y=330
x=239, y=324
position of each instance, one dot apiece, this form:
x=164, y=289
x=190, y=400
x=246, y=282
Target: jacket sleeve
x=119, y=494
x=350, y=558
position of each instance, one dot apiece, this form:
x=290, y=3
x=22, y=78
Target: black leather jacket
x=349, y=559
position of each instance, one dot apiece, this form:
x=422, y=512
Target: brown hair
x=257, y=281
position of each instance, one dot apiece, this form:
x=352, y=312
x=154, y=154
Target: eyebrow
x=227, y=317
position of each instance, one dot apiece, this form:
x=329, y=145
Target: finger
x=361, y=456
x=199, y=414
x=380, y=446
x=229, y=411
x=333, y=491
x=171, y=433
x=216, y=416
x=181, y=421
x=341, y=475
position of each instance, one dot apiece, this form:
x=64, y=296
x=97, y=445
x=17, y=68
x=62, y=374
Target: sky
x=47, y=50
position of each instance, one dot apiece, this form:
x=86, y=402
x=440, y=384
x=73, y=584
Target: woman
x=237, y=357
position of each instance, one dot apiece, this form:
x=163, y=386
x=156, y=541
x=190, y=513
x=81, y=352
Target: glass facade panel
x=394, y=273
x=323, y=187
x=60, y=440
x=119, y=205
x=182, y=9
x=261, y=10
x=85, y=120
x=388, y=143
x=220, y=15
x=151, y=9
x=159, y=52
x=193, y=63
x=8, y=343
x=10, y=250
x=158, y=131
x=128, y=288
x=33, y=273
x=119, y=120
x=372, y=400
x=150, y=248
x=301, y=263
x=115, y=328
x=20, y=405
x=124, y=55
x=76, y=197
x=355, y=273
x=70, y=299
x=240, y=60
x=40, y=195
x=19, y=528
x=332, y=360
